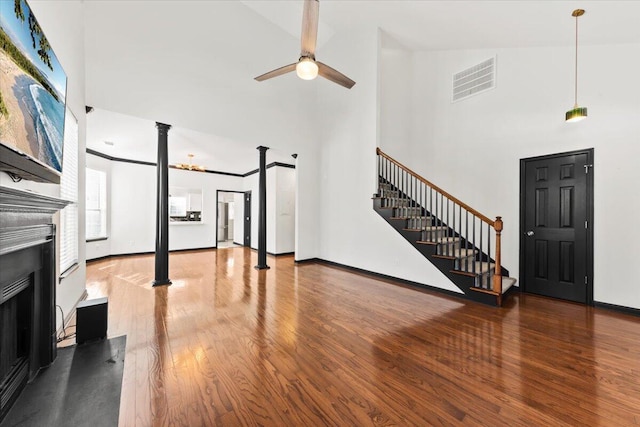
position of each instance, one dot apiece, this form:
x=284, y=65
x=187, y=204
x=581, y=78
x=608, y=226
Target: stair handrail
x=497, y=224
x=435, y=187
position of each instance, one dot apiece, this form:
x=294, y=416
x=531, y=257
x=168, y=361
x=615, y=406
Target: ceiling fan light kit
x=577, y=113
x=307, y=68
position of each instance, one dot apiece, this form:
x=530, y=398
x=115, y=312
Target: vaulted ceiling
x=192, y=63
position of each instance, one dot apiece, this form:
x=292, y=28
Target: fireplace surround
x=27, y=289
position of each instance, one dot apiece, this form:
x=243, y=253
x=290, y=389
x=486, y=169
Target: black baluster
x=460, y=226
x=421, y=184
x=466, y=237
x=447, y=229
x=437, y=218
x=410, y=197
x=441, y=216
x=481, y=248
x=453, y=225
x=473, y=247
x=489, y=250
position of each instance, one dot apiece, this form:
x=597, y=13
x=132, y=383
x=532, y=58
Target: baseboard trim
x=89, y=261
x=306, y=261
x=281, y=254
x=147, y=253
x=618, y=308
x=393, y=280
x=193, y=249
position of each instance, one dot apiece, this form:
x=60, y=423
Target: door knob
x=530, y=233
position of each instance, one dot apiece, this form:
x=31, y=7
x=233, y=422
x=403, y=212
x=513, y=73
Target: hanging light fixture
x=190, y=166
x=577, y=113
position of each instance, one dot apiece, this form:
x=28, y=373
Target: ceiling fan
x=307, y=68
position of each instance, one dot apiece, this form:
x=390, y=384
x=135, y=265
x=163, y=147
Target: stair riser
x=390, y=193
x=450, y=247
x=465, y=264
x=419, y=222
x=485, y=281
x=409, y=211
x=395, y=202
x=434, y=235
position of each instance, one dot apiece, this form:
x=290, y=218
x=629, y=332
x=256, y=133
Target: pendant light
x=190, y=166
x=577, y=113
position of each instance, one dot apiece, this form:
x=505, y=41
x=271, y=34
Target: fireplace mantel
x=25, y=218
x=21, y=201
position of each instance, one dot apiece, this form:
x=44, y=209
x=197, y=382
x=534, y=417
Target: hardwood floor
x=314, y=345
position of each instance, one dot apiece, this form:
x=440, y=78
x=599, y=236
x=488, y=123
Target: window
x=69, y=191
x=96, y=204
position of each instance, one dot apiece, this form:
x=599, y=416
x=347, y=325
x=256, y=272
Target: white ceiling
x=192, y=63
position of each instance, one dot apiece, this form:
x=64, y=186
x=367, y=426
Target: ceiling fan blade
x=309, y=27
x=277, y=72
x=334, y=75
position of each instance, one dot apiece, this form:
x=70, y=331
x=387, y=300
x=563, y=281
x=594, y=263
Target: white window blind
x=96, y=204
x=69, y=191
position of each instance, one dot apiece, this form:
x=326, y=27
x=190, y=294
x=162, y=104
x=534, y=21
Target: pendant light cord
x=576, y=74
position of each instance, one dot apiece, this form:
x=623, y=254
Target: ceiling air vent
x=474, y=80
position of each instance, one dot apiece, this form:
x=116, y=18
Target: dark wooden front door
x=556, y=199
x=247, y=218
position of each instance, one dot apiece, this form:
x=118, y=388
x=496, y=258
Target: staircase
x=457, y=239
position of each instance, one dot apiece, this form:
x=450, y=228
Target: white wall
x=285, y=209
x=272, y=225
x=395, y=86
x=351, y=232
x=101, y=248
x=488, y=134
x=62, y=23
x=281, y=195
x=307, y=203
x=133, y=208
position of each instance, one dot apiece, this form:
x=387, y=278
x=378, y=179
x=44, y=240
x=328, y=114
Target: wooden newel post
x=497, y=276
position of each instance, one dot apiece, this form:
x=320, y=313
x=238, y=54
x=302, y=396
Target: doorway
x=556, y=225
x=232, y=218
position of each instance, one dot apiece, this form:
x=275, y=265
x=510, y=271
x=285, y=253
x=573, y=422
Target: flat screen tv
x=33, y=88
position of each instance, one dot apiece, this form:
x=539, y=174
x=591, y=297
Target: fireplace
x=27, y=289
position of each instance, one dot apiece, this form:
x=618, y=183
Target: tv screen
x=33, y=89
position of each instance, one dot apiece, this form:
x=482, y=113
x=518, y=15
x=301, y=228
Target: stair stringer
x=446, y=266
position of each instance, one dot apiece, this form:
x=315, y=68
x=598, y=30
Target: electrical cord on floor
x=64, y=334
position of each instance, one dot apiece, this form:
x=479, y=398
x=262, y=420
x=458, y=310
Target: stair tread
x=507, y=282
x=481, y=268
x=426, y=228
x=484, y=291
x=462, y=253
x=445, y=240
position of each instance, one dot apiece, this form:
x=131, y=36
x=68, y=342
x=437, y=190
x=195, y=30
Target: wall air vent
x=474, y=80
